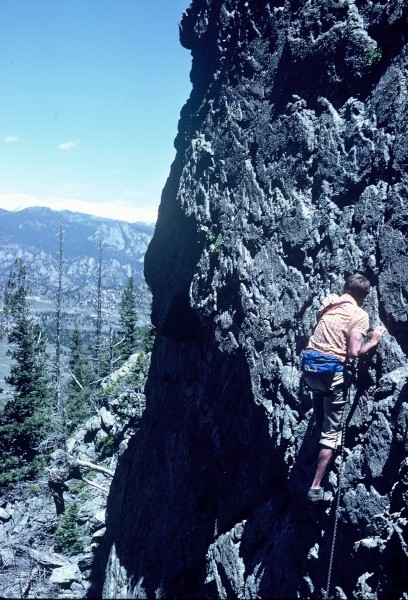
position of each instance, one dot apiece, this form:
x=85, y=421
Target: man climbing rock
x=338, y=336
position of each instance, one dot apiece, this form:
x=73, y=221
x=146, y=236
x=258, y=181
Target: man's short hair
x=357, y=286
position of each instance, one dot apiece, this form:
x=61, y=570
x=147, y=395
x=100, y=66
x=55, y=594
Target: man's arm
x=355, y=345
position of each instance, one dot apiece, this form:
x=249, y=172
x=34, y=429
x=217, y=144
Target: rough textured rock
x=290, y=174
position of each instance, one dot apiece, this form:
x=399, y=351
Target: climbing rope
x=326, y=592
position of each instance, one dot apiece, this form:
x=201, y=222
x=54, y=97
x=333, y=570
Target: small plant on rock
x=105, y=446
x=373, y=55
x=216, y=241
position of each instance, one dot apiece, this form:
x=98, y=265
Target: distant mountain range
x=33, y=235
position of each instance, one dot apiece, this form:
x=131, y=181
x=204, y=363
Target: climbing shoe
x=319, y=495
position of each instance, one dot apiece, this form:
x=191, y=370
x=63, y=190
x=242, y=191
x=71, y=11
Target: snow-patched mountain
x=33, y=234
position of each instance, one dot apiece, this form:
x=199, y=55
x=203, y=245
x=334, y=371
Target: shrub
x=373, y=55
x=105, y=446
x=67, y=537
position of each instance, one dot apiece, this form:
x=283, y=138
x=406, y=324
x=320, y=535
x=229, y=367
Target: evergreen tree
x=16, y=291
x=68, y=537
x=78, y=392
x=25, y=420
x=128, y=319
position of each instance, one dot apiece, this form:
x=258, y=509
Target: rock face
x=290, y=174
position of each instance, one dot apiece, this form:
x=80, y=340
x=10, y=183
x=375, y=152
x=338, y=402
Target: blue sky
x=91, y=96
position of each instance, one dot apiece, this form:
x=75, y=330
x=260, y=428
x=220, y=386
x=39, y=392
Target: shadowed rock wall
x=290, y=174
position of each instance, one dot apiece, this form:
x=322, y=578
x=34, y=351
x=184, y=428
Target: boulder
x=49, y=559
x=5, y=515
x=66, y=574
x=107, y=418
x=7, y=557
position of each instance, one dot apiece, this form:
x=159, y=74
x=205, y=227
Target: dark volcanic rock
x=290, y=174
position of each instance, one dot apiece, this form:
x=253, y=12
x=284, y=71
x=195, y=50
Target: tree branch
x=26, y=588
x=93, y=467
x=79, y=384
x=99, y=487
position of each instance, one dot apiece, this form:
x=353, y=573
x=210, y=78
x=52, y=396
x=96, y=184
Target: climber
x=337, y=336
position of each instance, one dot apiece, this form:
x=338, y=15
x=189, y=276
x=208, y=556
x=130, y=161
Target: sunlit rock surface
x=290, y=174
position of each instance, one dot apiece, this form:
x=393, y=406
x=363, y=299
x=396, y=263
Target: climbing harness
x=326, y=592
x=315, y=363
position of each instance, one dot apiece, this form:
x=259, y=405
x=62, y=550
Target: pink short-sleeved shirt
x=333, y=329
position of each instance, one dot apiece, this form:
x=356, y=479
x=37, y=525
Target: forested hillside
x=73, y=395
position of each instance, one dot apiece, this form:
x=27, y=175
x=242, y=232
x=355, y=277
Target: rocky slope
x=291, y=173
x=33, y=562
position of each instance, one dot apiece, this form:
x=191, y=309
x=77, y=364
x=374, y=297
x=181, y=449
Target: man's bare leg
x=323, y=460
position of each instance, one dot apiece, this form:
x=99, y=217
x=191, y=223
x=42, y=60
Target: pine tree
x=68, y=537
x=128, y=319
x=25, y=420
x=16, y=291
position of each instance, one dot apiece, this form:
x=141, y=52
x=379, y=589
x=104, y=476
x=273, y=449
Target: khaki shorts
x=328, y=407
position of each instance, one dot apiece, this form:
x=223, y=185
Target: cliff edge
x=290, y=174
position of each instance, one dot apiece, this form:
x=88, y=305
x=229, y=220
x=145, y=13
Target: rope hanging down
x=326, y=592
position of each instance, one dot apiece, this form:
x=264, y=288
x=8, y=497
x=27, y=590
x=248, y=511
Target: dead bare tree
x=113, y=345
x=98, y=322
x=65, y=467
x=59, y=401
